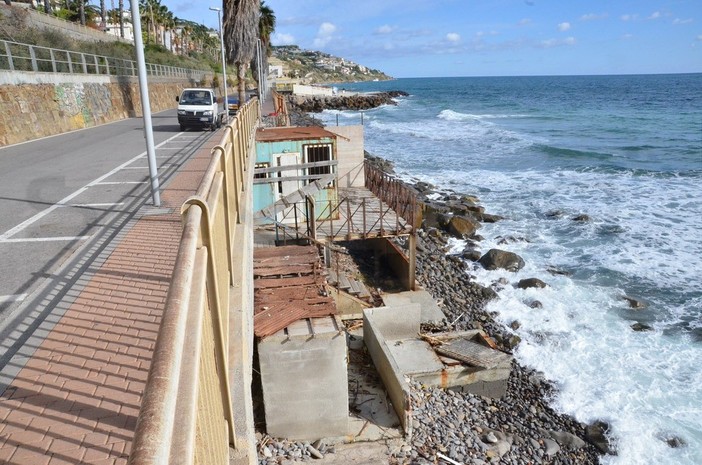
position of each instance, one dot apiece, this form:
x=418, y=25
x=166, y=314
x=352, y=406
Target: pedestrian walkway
x=73, y=394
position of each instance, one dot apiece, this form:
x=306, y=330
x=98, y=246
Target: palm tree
x=121, y=18
x=266, y=26
x=240, y=35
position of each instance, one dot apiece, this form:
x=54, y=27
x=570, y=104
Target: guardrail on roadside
x=186, y=414
x=15, y=56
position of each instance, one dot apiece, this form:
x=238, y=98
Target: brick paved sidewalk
x=77, y=398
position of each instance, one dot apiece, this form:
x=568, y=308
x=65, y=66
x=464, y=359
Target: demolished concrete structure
x=463, y=360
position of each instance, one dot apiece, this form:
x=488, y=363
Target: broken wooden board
x=473, y=353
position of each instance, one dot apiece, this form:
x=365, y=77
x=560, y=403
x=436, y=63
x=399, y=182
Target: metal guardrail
x=186, y=413
x=15, y=56
x=395, y=193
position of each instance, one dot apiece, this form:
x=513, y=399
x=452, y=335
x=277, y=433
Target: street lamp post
x=224, y=64
x=145, y=105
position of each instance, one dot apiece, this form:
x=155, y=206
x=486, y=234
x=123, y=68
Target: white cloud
x=453, y=37
x=655, y=15
x=385, y=29
x=564, y=26
x=550, y=43
x=325, y=34
x=593, y=17
x=524, y=22
x=699, y=37
x=280, y=38
x=629, y=17
x=682, y=21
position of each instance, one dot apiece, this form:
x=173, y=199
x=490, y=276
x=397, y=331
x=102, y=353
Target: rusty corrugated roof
x=289, y=286
x=293, y=133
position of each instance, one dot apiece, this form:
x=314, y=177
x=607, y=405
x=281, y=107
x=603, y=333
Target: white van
x=198, y=108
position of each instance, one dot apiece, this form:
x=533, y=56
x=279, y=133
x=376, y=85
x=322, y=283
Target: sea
x=627, y=152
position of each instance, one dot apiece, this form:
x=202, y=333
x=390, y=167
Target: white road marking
x=29, y=221
x=110, y=183
x=44, y=239
x=92, y=205
x=12, y=298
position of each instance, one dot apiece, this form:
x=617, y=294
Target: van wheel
x=182, y=127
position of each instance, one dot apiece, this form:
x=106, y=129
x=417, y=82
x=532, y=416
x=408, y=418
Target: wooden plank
x=473, y=353
x=276, y=283
x=344, y=282
x=283, y=271
x=363, y=292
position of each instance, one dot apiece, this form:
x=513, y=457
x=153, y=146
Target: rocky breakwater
x=316, y=104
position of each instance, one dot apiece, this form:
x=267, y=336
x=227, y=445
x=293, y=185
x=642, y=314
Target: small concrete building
x=297, y=165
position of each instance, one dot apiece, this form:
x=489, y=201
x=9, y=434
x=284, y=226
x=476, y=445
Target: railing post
x=238, y=179
x=85, y=65
x=33, y=56
x=97, y=64
x=10, y=62
x=70, y=62
x=53, y=59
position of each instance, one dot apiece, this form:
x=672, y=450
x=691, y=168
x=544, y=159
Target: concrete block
x=304, y=378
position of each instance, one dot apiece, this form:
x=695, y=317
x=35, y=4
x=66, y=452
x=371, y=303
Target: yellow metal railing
x=186, y=412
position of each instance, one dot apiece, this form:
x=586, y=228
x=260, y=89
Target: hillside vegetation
x=314, y=67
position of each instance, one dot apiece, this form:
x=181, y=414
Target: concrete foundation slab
x=414, y=356
x=431, y=313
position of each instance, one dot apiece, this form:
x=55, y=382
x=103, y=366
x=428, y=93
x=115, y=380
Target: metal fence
x=15, y=56
x=186, y=413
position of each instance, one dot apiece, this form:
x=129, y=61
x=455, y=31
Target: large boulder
x=596, y=434
x=462, y=227
x=531, y=282
x=496, y=259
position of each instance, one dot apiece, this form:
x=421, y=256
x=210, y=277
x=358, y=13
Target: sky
x=432, y=38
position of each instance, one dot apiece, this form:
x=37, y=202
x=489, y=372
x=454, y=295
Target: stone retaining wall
x=54, y=104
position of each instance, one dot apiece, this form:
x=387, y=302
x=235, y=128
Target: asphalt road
x=63, y=198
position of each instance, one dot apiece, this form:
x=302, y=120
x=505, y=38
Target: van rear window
x=196, y=97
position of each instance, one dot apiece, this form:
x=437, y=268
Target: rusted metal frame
x=185, y=430
x=154, y=429
x=349, y=222
x=382, y=213
x=214, y=298
x=331, y=222
x=278, y=169
x=312, y=215
x=344, y=223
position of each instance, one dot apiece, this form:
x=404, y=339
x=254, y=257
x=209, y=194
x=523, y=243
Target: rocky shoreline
x=520, y=428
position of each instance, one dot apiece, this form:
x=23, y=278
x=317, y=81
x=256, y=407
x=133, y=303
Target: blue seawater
x=627, y=152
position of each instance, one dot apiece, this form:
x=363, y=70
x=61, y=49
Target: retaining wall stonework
x=31, y=111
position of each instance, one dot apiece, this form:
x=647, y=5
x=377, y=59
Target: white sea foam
x=451, y=115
